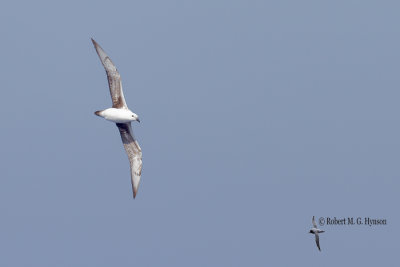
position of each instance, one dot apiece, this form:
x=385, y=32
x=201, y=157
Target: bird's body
x=122, y=116
x=316, y=231
x=117, y=115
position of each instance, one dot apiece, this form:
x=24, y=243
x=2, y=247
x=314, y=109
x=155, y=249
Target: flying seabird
x=122, y=116
x=316, y=231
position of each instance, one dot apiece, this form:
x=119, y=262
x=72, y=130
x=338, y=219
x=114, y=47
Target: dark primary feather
x=317, y=241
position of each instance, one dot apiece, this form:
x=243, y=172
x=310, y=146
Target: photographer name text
x=352, y=221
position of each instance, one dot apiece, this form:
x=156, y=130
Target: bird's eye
x=132, y=116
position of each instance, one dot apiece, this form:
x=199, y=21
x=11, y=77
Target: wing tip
x=97, y=47
x=135, y=188
x=134, y=193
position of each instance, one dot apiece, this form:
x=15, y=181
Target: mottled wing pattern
x=134, y=153
x=114, y=79
x=317, y=241
x=313, y=222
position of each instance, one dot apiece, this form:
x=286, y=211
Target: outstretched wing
x=134, y=153
x=313, y=222
x=317, y=241
x=114, y=79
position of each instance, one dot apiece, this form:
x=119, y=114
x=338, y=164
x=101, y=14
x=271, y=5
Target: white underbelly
x=116, y=115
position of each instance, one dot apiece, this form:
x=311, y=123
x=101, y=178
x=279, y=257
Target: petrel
x=316, y=231
x=122, y=116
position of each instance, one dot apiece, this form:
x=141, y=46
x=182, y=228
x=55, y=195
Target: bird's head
x=134, y=117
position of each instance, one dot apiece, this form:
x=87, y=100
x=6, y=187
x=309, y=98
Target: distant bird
x=122, y=116
x=316, y=231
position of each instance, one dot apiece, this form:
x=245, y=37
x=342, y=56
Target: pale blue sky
x=256, y=115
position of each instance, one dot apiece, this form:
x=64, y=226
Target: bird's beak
x=138, y=120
